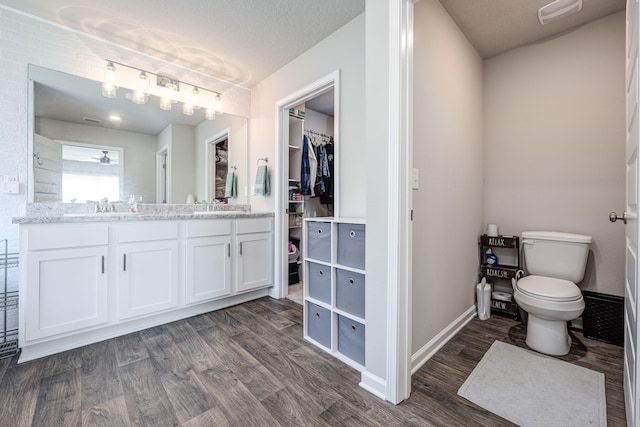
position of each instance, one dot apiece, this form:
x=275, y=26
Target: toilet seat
x=549, y=289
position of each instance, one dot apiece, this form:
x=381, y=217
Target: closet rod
x=313, y=132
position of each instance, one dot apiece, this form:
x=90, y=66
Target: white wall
x=238, y=146
x=376, y=147
x=183, y=162
x=139, y=151
x=447, y=150
x=343, y=50
x=24, y=40
x=555, y=140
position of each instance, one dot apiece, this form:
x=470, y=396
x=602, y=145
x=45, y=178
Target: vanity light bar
x=141, y=91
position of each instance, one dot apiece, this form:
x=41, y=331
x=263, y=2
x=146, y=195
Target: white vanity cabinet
x=207, y=260
x=148, y=277
x=254, y=249
x=85, y=282
x=66, y=287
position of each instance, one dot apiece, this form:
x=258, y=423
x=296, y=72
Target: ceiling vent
x=558, y=9
x=91, y=120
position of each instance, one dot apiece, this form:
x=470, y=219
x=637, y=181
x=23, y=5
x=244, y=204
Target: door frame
x=210, y=146
x=163, y=178
x=320, y=86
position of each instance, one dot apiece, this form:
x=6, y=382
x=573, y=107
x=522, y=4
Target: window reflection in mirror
x=90, y=173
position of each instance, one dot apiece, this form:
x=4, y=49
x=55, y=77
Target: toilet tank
x=556, y=254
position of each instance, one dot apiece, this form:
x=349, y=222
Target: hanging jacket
x=305, y=170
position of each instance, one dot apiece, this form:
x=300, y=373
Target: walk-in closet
x=311, y=175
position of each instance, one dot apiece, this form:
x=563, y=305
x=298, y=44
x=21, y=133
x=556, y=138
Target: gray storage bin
x=320, y=282
x=319, y=240
x=350, y=292
x=351, y=241
x=351, y=339
x=319, y=324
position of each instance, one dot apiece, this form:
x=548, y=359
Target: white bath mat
x=531, y=389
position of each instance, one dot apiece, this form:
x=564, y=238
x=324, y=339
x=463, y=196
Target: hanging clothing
x=327, y=197
x=305, y=170
x=323, y=172
x=313, y=169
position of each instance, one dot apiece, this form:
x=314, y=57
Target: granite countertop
x=130, y=216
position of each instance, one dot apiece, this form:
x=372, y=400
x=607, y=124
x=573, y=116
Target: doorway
x=309, y=116
x=217, y=165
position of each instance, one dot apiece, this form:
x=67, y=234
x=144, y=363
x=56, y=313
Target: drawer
x=320, y=282
x=147, y=231
x=319, y=324
x=63, y=236
x=206, y=228
x=254, y=225
x=350, y=291
x=351, y=339
x=351, y=243
x=319, y=240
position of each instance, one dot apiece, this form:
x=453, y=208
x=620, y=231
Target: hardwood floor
x=248, y=365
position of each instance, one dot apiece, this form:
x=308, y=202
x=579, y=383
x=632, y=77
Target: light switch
x=415, y=178
x=11, y=187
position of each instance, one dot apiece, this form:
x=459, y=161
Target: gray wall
x=555, y=140
x=447, y=150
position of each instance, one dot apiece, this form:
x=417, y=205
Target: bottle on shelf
x=491, y=259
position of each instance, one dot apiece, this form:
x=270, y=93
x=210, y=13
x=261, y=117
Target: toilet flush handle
x=613, y=217
x=528, y=242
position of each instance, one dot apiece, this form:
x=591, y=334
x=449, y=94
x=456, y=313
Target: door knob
x=613, y=217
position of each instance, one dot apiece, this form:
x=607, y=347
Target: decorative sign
x=498, y=241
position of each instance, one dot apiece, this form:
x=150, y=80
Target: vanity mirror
x=86, y=147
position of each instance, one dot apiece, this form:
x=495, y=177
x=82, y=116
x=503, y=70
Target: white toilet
x=555, y=262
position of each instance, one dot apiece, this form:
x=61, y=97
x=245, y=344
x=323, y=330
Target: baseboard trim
x=427, y=351
x=374, y=385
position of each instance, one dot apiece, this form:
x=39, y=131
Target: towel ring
x=235, y=168
x=265, y=159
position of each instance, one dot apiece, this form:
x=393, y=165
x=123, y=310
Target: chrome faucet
x=102, y=205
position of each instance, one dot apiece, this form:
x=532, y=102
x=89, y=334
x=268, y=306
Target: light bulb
x=165, y=103
x=172, y=92
x=109, y=90
x=195, y=98
x=218, y=104
x=187, y=109
x=139, y=97
x=109, y=87
x=210, y=114
x=110, y=73
x=143, y=82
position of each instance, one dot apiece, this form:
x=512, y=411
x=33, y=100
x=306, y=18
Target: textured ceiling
x=240, y=41
x=497, y=26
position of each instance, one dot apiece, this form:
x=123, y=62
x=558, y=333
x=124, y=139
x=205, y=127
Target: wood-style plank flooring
x=248, y=365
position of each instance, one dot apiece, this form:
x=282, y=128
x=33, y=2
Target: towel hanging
x=262, y=187
x=230, y=186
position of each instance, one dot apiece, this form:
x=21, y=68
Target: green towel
x=262, y=182
x=230, y=185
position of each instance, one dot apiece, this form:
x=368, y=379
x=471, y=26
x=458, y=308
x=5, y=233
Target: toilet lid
x=549, y=288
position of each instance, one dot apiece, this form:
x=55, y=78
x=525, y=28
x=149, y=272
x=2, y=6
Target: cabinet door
x=66, y=291
x=255, y=261
x=148, y=277
x=208, y=268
